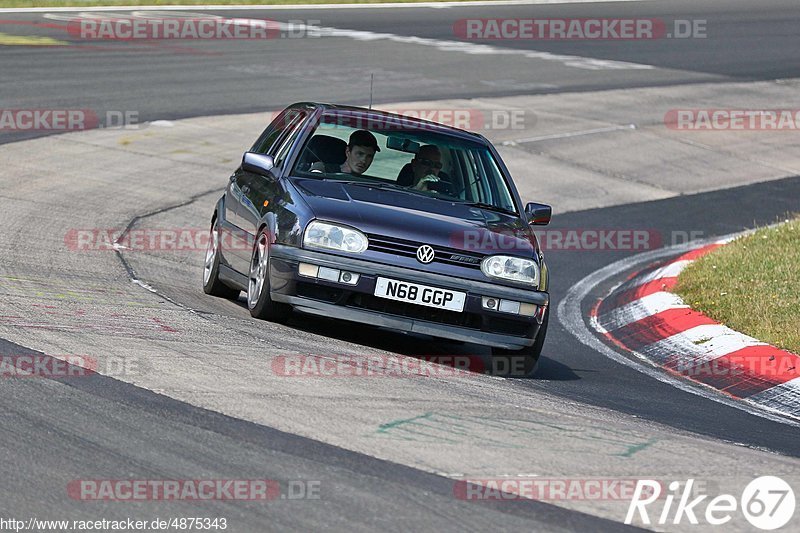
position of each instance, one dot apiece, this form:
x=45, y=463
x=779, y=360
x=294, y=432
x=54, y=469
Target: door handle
x=245, y=189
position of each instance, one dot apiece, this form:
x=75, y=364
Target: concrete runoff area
x=576, y=151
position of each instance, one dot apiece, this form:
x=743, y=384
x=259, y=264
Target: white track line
x=471, y=48
x=698, y=345
x=569, y=135
x=779, y=398
x=649, y=305
x=667, y=271
x=444, y=45
x=288, y=7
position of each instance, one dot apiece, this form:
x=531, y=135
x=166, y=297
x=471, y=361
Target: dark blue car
x=384, y=220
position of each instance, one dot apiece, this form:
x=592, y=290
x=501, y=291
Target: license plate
x=420, y=294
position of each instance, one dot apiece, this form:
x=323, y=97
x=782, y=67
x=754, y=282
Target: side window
x=467, y=187
x=267, y=143
x=501, y=196
x=477, y=179
x=454, y=168
x=286, y=143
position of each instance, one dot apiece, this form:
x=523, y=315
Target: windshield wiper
x=391, y=187
x=379, y=184
x=411, y=190
x=490, y=207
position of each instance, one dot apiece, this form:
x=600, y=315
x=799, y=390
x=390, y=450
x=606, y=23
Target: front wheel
x=211, y=283
x=524, y=362
x=259, y=300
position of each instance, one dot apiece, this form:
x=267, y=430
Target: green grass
x=751, y=285
x=87, y=3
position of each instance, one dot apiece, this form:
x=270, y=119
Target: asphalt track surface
x=45, y=448
x=746, y=41
x=107, y=426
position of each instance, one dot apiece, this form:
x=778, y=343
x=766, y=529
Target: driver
x=424, y=172
x=360, y=152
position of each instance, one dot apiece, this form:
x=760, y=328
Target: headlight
x=511, y=269
x=323, y=235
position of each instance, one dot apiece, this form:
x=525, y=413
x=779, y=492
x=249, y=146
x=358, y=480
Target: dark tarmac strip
x=56, y=431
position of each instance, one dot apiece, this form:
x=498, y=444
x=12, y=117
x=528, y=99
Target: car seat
x=326, y=149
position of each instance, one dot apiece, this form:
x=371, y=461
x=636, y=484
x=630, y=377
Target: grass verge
x=751, y=285
x=97, y=3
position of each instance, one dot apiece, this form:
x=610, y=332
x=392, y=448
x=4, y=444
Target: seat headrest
x=328, y=149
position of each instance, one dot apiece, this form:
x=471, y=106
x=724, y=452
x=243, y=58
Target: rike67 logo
x=767, y=502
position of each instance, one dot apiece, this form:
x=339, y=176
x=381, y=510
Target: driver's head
x=360, y=152
x=427, y=161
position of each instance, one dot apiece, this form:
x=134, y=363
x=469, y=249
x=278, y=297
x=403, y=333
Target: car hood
x=415, y=217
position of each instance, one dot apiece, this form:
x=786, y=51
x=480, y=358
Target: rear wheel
x=524, y=362
x=259, y=300
x=211, y=283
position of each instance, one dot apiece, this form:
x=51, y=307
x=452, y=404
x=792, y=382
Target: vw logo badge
x=425, y=254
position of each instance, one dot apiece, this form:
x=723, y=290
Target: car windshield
x=417, y=159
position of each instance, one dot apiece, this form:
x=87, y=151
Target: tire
x=211, y=283
x=258, y=298
x=507, y=362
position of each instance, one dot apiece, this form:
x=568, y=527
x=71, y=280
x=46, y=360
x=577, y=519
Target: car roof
x=413, y=122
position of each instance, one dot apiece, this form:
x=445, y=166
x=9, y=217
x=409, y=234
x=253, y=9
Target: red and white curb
x=574, y=312
x=643, y=317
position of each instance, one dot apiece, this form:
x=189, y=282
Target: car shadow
x=469, y=356
x=552, y=370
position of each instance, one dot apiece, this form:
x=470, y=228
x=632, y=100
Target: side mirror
x=258, y=163
x=538, y=214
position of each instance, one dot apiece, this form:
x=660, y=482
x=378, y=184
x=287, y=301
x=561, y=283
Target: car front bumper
x=357, y=302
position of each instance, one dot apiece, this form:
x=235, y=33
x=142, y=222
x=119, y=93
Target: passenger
x=360, y=152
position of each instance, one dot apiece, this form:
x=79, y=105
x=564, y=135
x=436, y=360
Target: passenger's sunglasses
x=429, y=163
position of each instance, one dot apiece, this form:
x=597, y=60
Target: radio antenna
x=371, y=78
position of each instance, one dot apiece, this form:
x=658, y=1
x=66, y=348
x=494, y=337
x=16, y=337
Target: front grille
x=446, y=256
